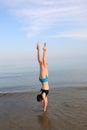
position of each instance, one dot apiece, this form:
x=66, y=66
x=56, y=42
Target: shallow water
x=11, y=82
x=67, y=110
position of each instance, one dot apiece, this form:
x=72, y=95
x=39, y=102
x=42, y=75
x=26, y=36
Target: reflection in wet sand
x=44, y=121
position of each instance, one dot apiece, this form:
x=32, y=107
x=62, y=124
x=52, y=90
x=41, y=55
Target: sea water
x=29, y=81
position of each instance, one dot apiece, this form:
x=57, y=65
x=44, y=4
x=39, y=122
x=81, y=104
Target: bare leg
x=44, y=54
x=38, y=53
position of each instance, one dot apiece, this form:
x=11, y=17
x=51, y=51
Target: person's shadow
x=44, y=121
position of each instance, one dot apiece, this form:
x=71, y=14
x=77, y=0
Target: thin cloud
x=80, y=35
x=40, y=15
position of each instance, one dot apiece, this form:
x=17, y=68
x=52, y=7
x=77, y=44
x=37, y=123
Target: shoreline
x=37, y=91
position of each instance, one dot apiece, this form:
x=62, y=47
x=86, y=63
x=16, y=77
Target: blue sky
x=62, y=24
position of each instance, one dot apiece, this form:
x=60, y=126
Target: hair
x=39, y=98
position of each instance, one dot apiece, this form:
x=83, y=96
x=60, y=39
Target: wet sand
x=67, y=110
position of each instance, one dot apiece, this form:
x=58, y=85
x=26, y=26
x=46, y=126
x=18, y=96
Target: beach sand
x=67, y=110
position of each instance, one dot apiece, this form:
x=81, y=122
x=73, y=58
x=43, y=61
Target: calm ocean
x=28, y=81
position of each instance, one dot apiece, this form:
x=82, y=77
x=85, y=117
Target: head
x=39, y=98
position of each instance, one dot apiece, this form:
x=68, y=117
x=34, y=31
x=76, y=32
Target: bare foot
x=44, y=48
x=38, y=46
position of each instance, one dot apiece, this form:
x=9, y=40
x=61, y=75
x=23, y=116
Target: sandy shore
x=67, y=110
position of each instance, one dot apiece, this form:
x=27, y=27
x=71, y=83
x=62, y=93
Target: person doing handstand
x=43, y=77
